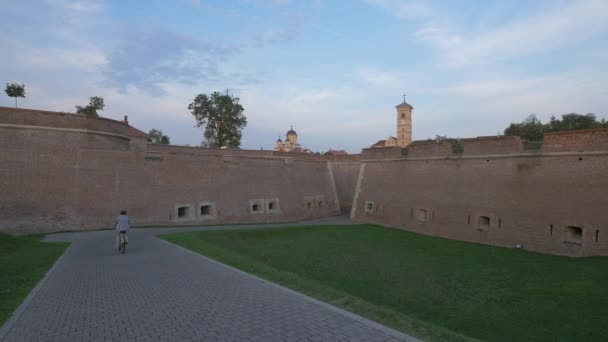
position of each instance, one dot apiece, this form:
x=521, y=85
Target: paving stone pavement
x=162, y=292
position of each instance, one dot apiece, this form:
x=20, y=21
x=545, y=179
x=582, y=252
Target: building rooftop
x=404, y=105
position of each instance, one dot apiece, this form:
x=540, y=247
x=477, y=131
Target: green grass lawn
x=23, y=262
x=430, y=287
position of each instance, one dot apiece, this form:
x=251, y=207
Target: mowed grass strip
x=434, y=288
x=24, y=260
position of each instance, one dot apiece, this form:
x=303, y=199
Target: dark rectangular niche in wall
x=574, y=234
x=309, y=200
x=183, y=212
x=597, y=235
x=256, y=207
x=421, y=214
x=150, y=155
x=272, y=205
x=483, y=223
x=205, y=210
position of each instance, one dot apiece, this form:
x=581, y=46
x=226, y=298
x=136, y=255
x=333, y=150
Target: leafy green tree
x=95, y=104
x=531, y=129
x=573, y=121
x=156, y=136
x=15, y=90
x=222, y=116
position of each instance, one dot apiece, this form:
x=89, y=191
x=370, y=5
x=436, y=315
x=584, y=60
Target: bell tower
x=404, y=123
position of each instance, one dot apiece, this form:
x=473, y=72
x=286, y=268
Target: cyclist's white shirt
x=122, y=222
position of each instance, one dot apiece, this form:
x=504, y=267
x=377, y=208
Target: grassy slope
x=23, y=262
x=418, y=283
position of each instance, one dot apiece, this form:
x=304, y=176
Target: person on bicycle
x=121, y=225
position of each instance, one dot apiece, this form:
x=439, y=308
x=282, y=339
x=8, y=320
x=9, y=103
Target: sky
x=334, y=69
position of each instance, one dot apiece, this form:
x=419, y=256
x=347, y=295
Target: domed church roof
x=291, y=132
x=279, y=140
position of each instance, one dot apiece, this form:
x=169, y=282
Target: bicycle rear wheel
x=123, y=243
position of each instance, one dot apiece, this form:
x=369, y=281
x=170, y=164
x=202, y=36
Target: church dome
x=279, y=140
x=291, y=132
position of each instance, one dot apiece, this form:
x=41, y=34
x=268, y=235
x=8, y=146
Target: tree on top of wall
x=222, y=116
x=156, y=136
x=95, y=104
x=573, y=121
x=15, y=90
x=532, y=129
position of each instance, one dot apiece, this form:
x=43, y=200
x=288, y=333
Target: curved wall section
x=63, y=172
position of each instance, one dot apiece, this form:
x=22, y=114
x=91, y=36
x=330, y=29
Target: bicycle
x=122, y=245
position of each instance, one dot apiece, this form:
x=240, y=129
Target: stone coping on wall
x=240, y=153
x=234, y=153
x=494, y=156
x=61, y=120
x=492, y=145
x=67, y=130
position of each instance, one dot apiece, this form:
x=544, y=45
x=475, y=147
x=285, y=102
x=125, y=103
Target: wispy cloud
x=376, y=77
x=406, y=9
x=289, y=31
x=146, y=59
x=557, y=27
x=86, y=6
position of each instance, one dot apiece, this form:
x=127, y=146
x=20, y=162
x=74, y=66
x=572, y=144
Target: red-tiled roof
x=135, y=133
x=337, y=152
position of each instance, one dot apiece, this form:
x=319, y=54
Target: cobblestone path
x=161, y=292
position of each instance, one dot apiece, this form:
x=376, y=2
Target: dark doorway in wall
x=205, y=210
x=255, y=207
x=183, y=212
x=597, y=235
x=574, y=234
x=483, y=223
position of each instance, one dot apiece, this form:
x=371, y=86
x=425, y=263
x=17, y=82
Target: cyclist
x=122, y=224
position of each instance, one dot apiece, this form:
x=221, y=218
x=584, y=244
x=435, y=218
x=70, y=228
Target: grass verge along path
x=434, y=288
x=24, y=260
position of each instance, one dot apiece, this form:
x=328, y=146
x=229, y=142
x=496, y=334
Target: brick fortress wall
x=61, y=171
x=551, y=201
